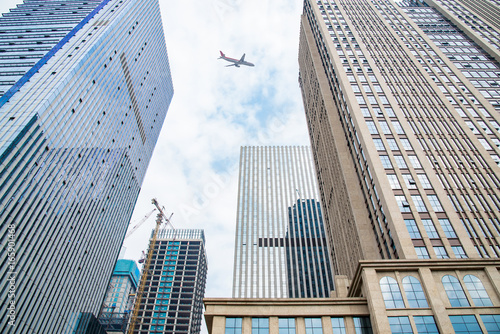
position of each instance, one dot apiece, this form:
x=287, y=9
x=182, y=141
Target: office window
x=402, y=203
x=465, y=324
x=260, y=325
x=233, y=325
x=406, y=144
x=400, y=161
x=422, y=252
x=456, y=294
x=447, y=228
x=419, y=203
x=391, y=293
x=371, y=127
x=430, y=228
x=477, y=291
x=400, y=325
x=459, y=252
x=393, y=181
x=441, y=252
x=491, y=322
x=425, y=324
x=313, y=326
x=384, y=127
x=435, y=204
x=424, y=181
x=338, y=325
x=392, y=144
x=286, y=325
x=409, y=181
x=414, y=292
x=412, y=229
x=362, y=325
x=379, y=145
x=386, y=162
x=414, y=161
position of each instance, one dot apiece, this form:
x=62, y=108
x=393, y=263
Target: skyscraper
x=85, y=88
x=173, y=299
x=118, y=303
x=280, y=246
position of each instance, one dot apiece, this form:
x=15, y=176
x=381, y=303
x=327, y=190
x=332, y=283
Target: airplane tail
x=222, y=55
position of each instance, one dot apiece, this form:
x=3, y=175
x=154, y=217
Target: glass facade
x=280, y=246
x=86, y=89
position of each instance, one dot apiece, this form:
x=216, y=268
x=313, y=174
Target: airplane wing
x=242, y=59
x=235, y=64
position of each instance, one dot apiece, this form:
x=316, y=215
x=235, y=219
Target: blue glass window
x=260, y=325
x=233, y=325
x=414, y=292
x=454, y=291
x=400, y=325
x=491, y=322
x=313, y=326
x=412, y=229
x=465, y=324
x=425, y=324
x=362, y=325
x=286, y=325
x=338, y=325
x=477, y=291
x=391, y=293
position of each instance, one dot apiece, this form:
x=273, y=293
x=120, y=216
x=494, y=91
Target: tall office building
x=280, y=245
x=172, y=301
x=118, y=303
x=84, y=91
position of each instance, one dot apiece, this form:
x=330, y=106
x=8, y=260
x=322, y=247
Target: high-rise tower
x=280, y=246
x=173, y=299
x=84, y=91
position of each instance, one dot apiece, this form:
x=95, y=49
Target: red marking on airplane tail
x=222, y=54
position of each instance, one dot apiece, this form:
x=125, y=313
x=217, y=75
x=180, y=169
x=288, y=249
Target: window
x=409, y=181
x=371, y=127
x=260, y=325
x=379, y=145
x=386, y=162
x=338, y=325
x=491, y=322
x=459, y=252
x=397, y=127
x=313, y=326
x=233, y=326
x=424, y=181
x=400, y=161
x=414, y=161
x=422, y=252
x=362, y=325
x=465, y=324
x=400, y=325
x=402, y=203
x=390, y=293
x=414, y=292
x=419, y=203
x=385, y=127
x=393, y=181
x=447, y=228
x=406, y=144
x=441, y=252
x=412, y=229
x=430, y=228
x=454, y=291
x=286, y=325
x=435, y=204
x=477, y=291
x=425, y=324
x=392, y=144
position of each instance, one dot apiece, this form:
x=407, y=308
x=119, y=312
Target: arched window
x=391, y=293
x=414, y=292
x=477, y=291
x=454, y=291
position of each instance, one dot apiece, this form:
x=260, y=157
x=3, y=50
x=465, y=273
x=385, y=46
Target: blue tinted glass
x=491, y=322
x=454, y=291
x=400, y=325
x=465, y=324
x=338, y=325
x=425, y=325
x=477, y=291
x=414, y=292
x=362, y=325
x=391, y=293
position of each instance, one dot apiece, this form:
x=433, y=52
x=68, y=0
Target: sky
x=215, y=110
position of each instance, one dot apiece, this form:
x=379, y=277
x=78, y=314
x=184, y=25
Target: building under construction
x=175, y=278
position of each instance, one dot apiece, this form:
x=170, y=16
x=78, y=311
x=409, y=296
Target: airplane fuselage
x=235, y=62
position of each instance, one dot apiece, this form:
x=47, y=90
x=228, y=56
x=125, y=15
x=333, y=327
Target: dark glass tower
x=85, y=87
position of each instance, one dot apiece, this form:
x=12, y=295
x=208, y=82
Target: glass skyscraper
x=172, y=301
x=84, y=89
x=280, y=248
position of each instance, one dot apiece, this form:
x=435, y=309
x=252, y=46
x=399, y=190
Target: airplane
x=235, y=62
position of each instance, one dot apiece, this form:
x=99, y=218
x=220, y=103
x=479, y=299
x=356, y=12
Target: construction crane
x=142, y=221
x=160, y=218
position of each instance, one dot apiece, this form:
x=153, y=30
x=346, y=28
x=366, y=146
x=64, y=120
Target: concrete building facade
x=84, y=89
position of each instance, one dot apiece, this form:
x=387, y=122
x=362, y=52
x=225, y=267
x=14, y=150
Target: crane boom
x=145, y=270
x=139, y=223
